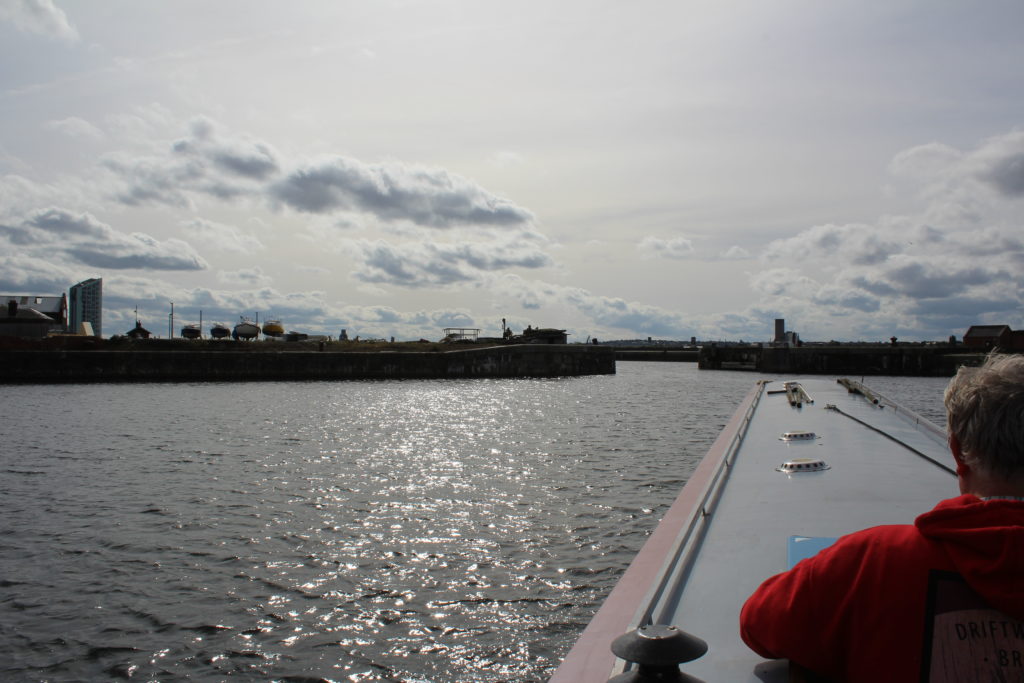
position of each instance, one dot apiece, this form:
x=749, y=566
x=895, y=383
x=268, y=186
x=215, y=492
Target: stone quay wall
x=532, y=360
x=913, y=360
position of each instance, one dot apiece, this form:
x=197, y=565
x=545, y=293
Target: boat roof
x=730, y=527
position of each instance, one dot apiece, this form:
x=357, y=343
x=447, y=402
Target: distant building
x=461, y=334
x=138, y=332
x=988, y=336
x=23, y=321
x=54, y=308
x=994, y=337
x=784, y=337
x=87, y=306
x=544, y=335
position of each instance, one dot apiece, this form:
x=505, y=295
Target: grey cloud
x=675, y=248
x=427, y=197
x=498, y=256
x=66, y=223
x=991, y=243
x=733, y=325
x=153, y=180
x=383, y=321
x=927, y=280
x=420, y=264
x=954, y=315
x=17, y=235
x=225, y=237
x=20, y=272
x=256, y=163
x=859, y=244
x=206, y=162
x=921, y=281
x=965, y=307
x=375, y=315
x=227, y=167
x=247, y=277
x=239, y=156
x=631, y=316
x=1007, y=175
x=84, y=238
x=783, y=282
x=381, y=262
x=837, y=297
x=138, y=251
x=300, y=310
x=874, y=286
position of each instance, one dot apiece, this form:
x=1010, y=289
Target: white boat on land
x=246, y=329
x=791, y=471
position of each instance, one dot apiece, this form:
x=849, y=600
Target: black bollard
x=658, y=650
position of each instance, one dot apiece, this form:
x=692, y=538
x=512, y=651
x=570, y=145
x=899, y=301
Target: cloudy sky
x=673, y=169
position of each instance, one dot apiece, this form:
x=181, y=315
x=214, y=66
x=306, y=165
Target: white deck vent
x=796, y=465
x=799, y=436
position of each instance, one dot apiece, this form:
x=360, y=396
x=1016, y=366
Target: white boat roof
x=729, y=529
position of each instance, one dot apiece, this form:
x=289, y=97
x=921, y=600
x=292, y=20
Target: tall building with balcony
x=86, y=306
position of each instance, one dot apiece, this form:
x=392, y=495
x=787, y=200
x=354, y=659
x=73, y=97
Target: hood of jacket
x=985, y=541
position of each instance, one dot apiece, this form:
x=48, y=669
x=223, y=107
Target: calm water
x=352, y=531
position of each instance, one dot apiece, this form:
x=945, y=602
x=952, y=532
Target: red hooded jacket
x=939, y=601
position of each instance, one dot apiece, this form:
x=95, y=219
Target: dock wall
x=534, y=360
x=924, y=360
x=664, y=355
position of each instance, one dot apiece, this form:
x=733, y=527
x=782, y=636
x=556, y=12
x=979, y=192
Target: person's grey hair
x=985, y=412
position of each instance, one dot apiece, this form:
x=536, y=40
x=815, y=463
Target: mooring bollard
x=658, y=650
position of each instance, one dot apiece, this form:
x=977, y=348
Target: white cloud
x=76, y=128
x=224, y=237
x=960, y=261
x=610, y=313
x=734, y=253
x=506, y=158
x=675, y=248
x=783, y=282
x=245, y=277
x=40, y=17
x=207, y=162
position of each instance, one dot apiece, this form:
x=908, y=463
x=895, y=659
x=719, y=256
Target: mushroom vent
x=799, y=436
x=796, y=465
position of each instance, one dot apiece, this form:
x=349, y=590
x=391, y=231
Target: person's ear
x=962, y=468
x=956, y=449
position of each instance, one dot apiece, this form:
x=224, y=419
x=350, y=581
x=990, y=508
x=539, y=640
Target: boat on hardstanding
x=191, y=332
x=273, y=328
x=798, y=465
x=246, y=329
x=220, y=331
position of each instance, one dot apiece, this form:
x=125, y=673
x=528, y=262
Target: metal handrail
x=677, y=567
